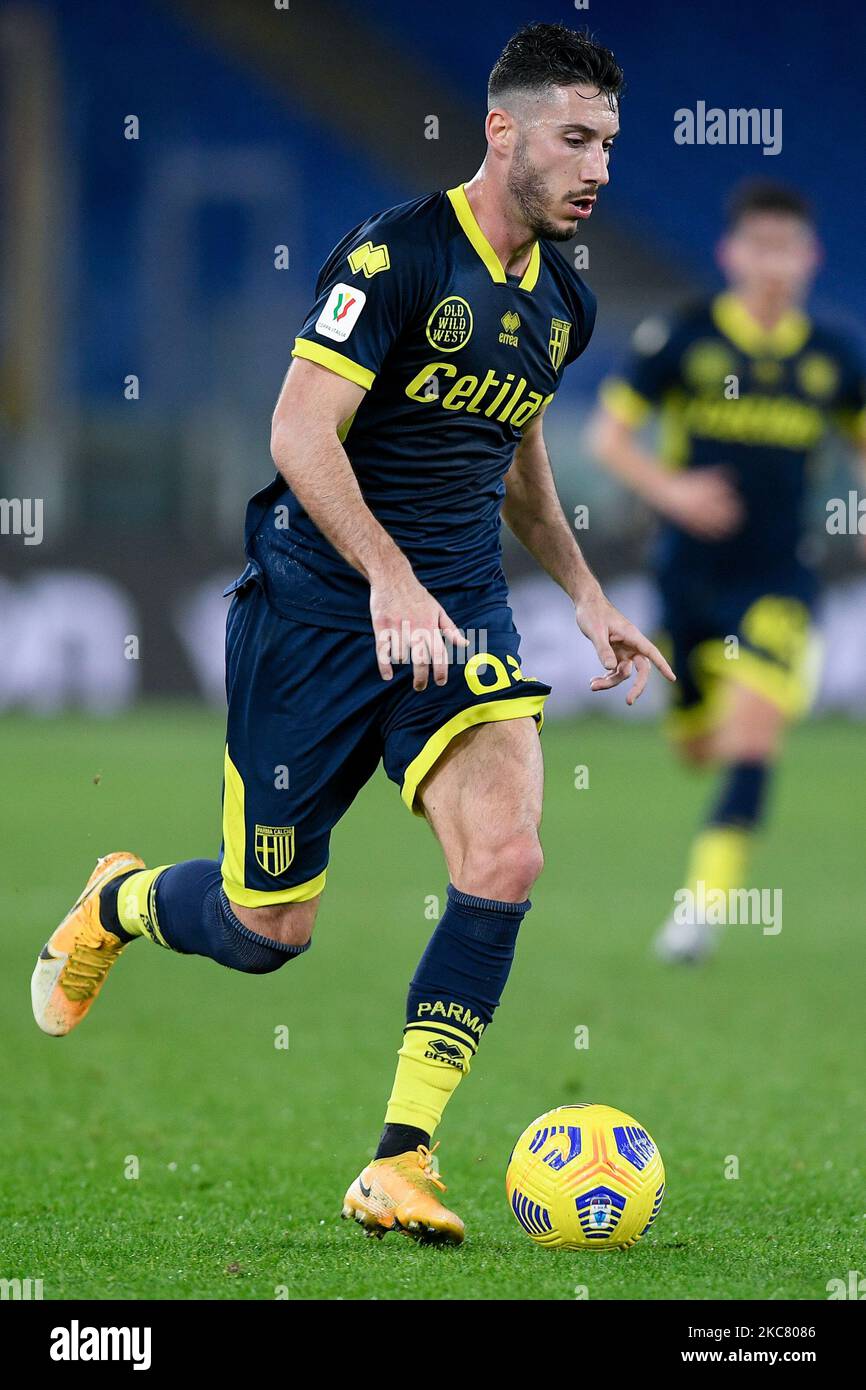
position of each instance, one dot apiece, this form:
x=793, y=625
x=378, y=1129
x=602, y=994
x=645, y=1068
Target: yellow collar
x=784, y=339
x=466, y=217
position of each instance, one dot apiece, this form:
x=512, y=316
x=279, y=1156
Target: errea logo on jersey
x=510, y=323
x=369, y=258
x=341, y=312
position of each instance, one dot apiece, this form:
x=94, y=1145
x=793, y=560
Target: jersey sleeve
x=367, y=291
x=651, y=370
x=585, y=306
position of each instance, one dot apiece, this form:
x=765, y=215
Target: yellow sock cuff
x=430, y=1067
x=719, y=858
x=136, y=905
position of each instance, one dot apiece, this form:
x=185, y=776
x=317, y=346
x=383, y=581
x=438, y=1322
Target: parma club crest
x=560, y=332
x=275, y=848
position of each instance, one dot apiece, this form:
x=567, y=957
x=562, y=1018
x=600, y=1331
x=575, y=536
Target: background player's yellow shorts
x=765, y=643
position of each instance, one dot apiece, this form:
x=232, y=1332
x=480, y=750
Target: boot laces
x=425, y=1163
x=86, y=968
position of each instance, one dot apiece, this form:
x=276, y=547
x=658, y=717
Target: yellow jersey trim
x=334, y=361
x=234, y=852
x=488, y=713
x=624, y=403
x=784, y=339
x=234, y=824
x=466, y=217
x=343, y=431
x=258, y=897
x=790, y=691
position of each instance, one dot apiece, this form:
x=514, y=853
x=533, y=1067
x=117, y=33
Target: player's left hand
x=621, y=647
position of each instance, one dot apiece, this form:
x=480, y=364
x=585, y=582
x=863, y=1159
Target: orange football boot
x=402, y=1194
x=74, y=962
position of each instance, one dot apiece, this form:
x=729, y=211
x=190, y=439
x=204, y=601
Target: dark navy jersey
x=456, y=358
x=758, y=403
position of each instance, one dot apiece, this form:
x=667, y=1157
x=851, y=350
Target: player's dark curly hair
x=764, y=195
x=551, y=55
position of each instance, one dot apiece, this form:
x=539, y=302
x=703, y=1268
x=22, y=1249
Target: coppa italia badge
x=341, y=312
x=449, y=327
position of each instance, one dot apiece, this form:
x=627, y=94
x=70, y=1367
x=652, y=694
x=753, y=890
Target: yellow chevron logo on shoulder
x=275, y=848
x=369, y=258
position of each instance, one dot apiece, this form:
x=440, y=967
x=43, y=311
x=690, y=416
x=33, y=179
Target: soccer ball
x=585, y=1177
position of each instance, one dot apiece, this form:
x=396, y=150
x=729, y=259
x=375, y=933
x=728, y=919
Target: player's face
x=770, y=255
x=561, y=152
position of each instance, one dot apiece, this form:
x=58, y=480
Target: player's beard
x=529, y=190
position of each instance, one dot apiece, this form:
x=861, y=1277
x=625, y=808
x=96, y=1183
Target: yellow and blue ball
x=585, y=1177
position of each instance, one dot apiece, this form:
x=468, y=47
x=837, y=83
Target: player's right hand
x=410, y=625
x=704, y=502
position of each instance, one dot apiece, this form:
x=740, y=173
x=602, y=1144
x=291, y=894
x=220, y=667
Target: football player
x=745, y=384
x=372, y=619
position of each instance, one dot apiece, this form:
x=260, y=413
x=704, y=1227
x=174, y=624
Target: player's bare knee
x=751, y=745
x=503, y=868
x=291, y=924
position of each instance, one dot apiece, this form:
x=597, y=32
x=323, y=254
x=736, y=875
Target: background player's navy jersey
x=457, y=358
x=790, y=384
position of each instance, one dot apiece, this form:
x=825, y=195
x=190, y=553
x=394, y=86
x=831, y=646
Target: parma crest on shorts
x=275, y=848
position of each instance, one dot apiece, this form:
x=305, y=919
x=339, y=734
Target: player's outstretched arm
x=704, y=502
x=408, y=623
x=533, y=512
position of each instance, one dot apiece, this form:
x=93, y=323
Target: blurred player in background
x=746, y=386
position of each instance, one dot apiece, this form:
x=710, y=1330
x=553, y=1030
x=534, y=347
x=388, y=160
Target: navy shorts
x=758, y=635
x=309, y=718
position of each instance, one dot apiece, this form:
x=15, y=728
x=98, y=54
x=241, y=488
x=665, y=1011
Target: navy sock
x=742, y=795
x=192, y=915
x=452, y=999
x=108, y=907
x=400, y=1139
x=195, y=917
x=463, y=971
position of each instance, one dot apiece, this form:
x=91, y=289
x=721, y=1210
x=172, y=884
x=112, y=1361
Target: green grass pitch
x=245, y=1150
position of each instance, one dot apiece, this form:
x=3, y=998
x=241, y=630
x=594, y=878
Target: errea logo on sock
x=341, y=312
x=441, y=1050
x=77, y=1343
